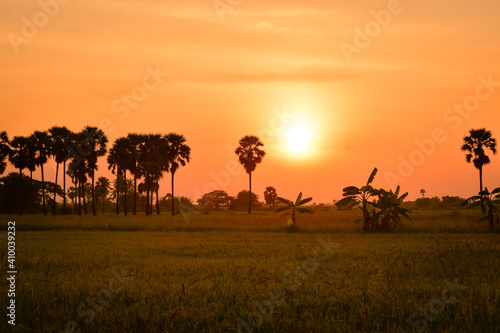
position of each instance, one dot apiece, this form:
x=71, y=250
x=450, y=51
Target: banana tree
x=489, y=200
x=355, y=197
x=294, y=207
x=390, y=209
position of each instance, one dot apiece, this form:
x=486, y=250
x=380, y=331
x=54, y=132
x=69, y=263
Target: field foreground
x=230, y=272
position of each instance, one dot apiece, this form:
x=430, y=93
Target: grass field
x=230, y=272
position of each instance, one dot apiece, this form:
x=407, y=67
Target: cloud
x=266, y=26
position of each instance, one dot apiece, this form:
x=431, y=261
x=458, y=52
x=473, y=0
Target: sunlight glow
x=298, y=137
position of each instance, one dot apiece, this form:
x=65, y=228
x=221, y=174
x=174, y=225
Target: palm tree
x=77, y=168
x=135, y=141
x=18, y=158
x=116, y=163
x=4, y=151
x=60, y=136
x=250, y=155
x=102, y=188
x=96, y=143
x=178, y=155
x=153, y=150
x=474, y=145
x=42, y=144
x=31, y=163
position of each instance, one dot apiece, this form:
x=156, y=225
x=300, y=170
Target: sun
x=298, y=138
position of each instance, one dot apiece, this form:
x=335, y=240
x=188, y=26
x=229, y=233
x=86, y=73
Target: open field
x=225, y=272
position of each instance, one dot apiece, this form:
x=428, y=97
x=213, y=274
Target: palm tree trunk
x=55, y=190
x=79, y=197
x=151, y=203
x=19, y=193
x=250, y=193
x=135, y=195
x=481, y=188
x=94, y=211
x=147, y=197
x=75, y=200
x=173, y=201
x=64, y=187
x=157, y=201
x=32, y=204
x=117, y=192
x=84, y=199
x=43, y=193
x=125, y=193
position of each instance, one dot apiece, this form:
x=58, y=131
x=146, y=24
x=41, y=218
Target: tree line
x=145, y=156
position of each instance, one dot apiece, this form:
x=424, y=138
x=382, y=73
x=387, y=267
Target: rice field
x=230, y=272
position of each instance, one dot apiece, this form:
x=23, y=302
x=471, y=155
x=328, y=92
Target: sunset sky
x=234, y=70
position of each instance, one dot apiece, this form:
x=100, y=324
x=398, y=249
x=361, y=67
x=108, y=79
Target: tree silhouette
x=214, y=200
x=77, y=168
x=116, y=163
x=178, y=155
x=250, y=154
x=102, y=188
x=60, y=137
x=97, y=147
x=294, y=207
x=4, y=151
x=134, y=142
x=270, y=196
x=42, y=144
x=31, y=163
x=474, y=146
x=18, y=158
x=152, y=157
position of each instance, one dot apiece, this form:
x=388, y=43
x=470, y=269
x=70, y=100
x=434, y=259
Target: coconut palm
x=294, y=207
x=42, y=144
x=60, y=136
x=474, y=146
x=250, y=154
x=96, y=143
x=178, y=155
x=18, y=158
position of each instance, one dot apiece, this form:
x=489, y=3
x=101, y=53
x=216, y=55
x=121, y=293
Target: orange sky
x=229, y=73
